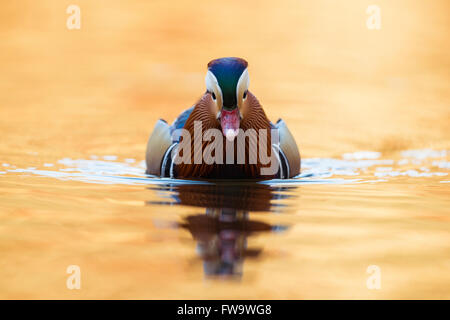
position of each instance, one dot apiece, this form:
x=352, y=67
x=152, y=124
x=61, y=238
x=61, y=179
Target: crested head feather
x=227, y=72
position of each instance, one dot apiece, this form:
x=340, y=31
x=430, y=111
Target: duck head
x=227, y=82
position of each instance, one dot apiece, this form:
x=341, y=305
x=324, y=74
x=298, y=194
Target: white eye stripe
x=242, y=85
x=212, y=85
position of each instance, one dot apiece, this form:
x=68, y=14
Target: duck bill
x=230, y=121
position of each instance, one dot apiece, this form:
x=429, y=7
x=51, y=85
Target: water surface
x=312, y=236
x=368, y=108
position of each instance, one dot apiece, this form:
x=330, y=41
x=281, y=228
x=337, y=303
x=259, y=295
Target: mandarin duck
x=200, y=143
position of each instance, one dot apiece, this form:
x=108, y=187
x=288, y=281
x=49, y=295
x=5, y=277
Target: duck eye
x=213, y=95
x=245, y=94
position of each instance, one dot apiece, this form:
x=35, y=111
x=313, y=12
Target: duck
x=224, y=114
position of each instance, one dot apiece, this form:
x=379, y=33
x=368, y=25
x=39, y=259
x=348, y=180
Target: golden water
x=76, y=109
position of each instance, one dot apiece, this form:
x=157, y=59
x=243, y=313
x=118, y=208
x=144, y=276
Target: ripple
x=424, y=154
x=356, y=167
x=361, y=155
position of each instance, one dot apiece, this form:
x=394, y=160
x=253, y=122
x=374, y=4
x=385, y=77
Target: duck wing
x=160, y=143
x=290, y=156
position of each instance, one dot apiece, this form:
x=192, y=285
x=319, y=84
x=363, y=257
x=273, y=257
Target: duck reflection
x=222, y=231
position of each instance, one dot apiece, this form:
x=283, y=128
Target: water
x=318, y=231
x=368, y=108
x=416, y=163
